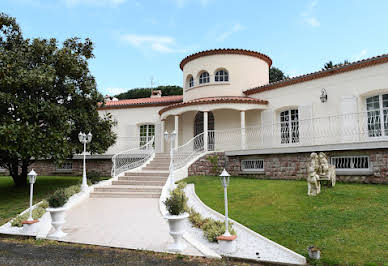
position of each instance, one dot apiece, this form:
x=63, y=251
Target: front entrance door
x=198, y=127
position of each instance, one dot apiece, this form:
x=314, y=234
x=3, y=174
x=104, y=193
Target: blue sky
x=135, y=39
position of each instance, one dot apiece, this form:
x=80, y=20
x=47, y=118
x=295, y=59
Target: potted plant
x=314, y=252
x=176, y=207
x=56, y=202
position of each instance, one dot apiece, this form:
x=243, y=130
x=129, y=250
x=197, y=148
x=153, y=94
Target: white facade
x=291, y=114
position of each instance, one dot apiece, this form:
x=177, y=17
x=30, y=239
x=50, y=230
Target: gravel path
x=250, y=245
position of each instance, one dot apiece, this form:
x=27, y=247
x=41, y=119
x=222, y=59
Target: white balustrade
x=132, y=158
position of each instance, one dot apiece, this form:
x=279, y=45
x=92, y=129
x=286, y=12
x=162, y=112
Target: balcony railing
x=347, y=128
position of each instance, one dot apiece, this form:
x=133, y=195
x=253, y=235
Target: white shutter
x=267, y=128
x=158, y=134
x=349, y=123
x=306, y=126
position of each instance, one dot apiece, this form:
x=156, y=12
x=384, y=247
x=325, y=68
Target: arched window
x=204, y=78
x=289, y=126
x=221, y=75
x=190, y=81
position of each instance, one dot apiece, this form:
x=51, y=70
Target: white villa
x=256, y=127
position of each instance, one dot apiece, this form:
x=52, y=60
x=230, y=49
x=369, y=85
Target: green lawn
x=15, y=200
x=349, y=223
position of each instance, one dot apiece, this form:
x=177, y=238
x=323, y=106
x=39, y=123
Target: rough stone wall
x=294, y=166
x=47, y=167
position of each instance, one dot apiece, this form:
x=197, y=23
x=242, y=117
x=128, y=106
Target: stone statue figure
x=318, y=170
x=313, y=185
x=326, y=171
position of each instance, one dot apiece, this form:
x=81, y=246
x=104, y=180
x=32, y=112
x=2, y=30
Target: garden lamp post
x=84, y=139
x=31, y=178
x=224, y=176
x=171, y=136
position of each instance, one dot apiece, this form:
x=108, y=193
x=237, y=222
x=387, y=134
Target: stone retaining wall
x=293, y=166
x=48, y=168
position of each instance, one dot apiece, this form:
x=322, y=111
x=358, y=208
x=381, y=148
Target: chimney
x=156, y=94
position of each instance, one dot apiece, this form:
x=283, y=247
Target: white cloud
x=115, y=91
x=360, y=55
x=236, y=28
x=308, y=15
x=183, y=3
x=101, y=3
x=162, y=44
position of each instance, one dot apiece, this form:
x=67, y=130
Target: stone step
x=129, y=188
x=139, y=183
x=155, y=168
x=142, y=178
x=145, y=173
x=125, y=194
x=164, y=164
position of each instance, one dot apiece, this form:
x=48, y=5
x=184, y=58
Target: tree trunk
x=20, y=180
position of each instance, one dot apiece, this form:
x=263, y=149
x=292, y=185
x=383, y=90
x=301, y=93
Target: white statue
x=326, y=171
x=313, y=185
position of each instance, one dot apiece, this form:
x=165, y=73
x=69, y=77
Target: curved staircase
x=147, y=183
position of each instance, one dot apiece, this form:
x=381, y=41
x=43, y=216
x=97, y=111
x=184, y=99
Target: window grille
x=253, y=165
x=66, y=166
x=289, y=126
x=350, y=162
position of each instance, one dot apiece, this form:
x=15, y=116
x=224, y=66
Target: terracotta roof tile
x=214, y=100
x=264, y=57
x=321, y=74
x=128, y=103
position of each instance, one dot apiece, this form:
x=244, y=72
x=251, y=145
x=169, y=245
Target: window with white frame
x=252, y=165
x=289, y=126
x=191, y=82
x=204, y=78
x=146, y=133
x=351, y=162
x=377, y=110
x=221, y=75
x=65, y=167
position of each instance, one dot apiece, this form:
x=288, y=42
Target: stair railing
x=188, y=151
x=130, y=159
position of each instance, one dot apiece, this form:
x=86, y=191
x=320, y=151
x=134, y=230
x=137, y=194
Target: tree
x=330, y=64
x=146, y=92
x=47, y=96
x=275, y=74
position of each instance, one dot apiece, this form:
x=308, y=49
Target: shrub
x=70, y=191
x=213, y=159
x=36, y=214
x=57, y=199
x=176, y=204
x=94, y=177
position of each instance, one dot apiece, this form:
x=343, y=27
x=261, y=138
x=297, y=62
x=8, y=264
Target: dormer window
x=204, y=78
x=221, y=75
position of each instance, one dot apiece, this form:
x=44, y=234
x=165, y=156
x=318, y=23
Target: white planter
x=57, y=221
x=177, y=229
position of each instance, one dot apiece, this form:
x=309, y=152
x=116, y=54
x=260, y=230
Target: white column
x=176, y=130
x=243, y=133
x=205, y=131
x=162, y=129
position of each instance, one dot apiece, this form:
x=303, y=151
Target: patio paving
x=133, y=223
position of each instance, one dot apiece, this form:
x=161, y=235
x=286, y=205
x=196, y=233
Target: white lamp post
x=171, y=136
x=32, y=178
x=84, y=139
x=224, y=176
